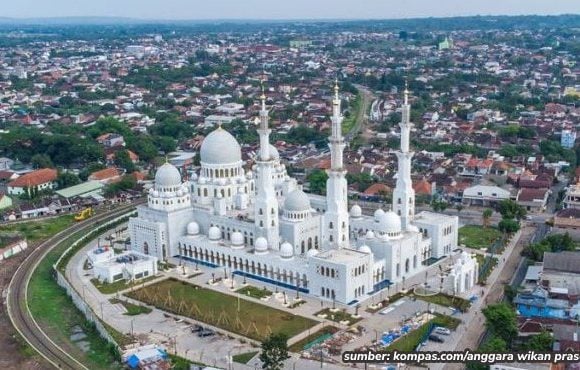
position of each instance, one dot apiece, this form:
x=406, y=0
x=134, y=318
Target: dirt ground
x=15, y=354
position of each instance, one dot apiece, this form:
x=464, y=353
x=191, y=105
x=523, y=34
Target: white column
x=266, y=207
x=404, y=195
x=336, y=223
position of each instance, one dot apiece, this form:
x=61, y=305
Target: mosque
x=260, y=224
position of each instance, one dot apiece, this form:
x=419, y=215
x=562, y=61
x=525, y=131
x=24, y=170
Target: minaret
x=404, y=195
x=266, y=207
x=335, y=226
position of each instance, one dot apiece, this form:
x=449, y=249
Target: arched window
x=145, y=248
x=414, y=262
x=399, y=201
x=407, y=265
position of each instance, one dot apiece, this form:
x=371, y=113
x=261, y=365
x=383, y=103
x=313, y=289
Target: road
x=17, y=299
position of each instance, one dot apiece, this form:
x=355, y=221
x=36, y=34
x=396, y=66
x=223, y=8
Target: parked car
x=196, y=328
x=206, y=333
x=435, y=338
x=442, y=330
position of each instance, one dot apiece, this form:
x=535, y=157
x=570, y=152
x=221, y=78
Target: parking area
x=392, y=317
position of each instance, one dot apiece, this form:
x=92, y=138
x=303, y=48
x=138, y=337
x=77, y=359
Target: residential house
x=567, y=220
x=5, y=163
x=111, y=140
x=106, y=176
x=561, y=269
x=484, y=195
x=5, y=201
x=539, y=304
x=43, y=179
x=533, y=200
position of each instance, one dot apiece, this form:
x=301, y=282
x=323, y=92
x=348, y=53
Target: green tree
x=541, y=342
x=274, y=352
x=317, y=180
x=508, y=226
x=122, y=159
x=127, y=182
x=66, y=179
x=439, y=205
x=487, y=213
x=41, y=161
x=501, y=321
x=510, y=209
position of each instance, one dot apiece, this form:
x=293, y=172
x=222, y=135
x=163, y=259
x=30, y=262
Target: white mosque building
x=260, y=224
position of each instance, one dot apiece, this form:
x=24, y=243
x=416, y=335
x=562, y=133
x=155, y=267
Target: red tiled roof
x=530, y=194
x=422, y=187
x=107, y=173
x=375, y=189
x=34, y=178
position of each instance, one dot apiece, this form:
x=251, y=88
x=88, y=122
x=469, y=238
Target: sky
x=282, y=9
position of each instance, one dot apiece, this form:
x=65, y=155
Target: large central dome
x=220, y=147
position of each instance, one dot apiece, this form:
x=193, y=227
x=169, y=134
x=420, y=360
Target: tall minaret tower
x=335, y=220
x=404, y=195
x=266, y=207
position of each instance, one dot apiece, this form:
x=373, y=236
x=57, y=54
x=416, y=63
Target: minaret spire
x=404, y=195
x=266, y=207
x=336, y=216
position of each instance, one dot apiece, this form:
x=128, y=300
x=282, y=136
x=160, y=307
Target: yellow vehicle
x=84, y=214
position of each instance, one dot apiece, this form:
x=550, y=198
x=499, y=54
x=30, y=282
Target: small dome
x=355, y=211
x=312, y=252
x=390, y=222
x=192, y=228
x=220, y=147
x=250, y=174
x=167, y=175
x=286, y=250
x=261, y=245
x=370, y=234
x=365, y=249
x=297, y=201
x=179, y=193
x=378, y=214
x=237, y=238
x=214, y=233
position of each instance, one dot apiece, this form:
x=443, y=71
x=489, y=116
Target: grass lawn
x=484, y=274
x=338, y=316
x=475, y=236
x=180, y=363
x=132, y=309
x=38, y=230
x=299, y=346
x=110, y=288
x=243, y=358
x=252, y=291
x=409, y=342
x=57, y=315
x=235, y=314
x=348, y=122
x=445, y=301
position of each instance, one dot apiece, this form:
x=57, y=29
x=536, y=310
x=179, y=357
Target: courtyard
x=234, y=314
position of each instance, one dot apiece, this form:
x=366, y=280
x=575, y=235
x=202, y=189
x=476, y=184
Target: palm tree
x=486, y=216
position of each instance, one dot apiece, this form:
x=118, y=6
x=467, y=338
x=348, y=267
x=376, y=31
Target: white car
x=442, y=330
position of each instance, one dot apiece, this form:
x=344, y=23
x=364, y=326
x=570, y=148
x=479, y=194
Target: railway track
x=17, y=298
